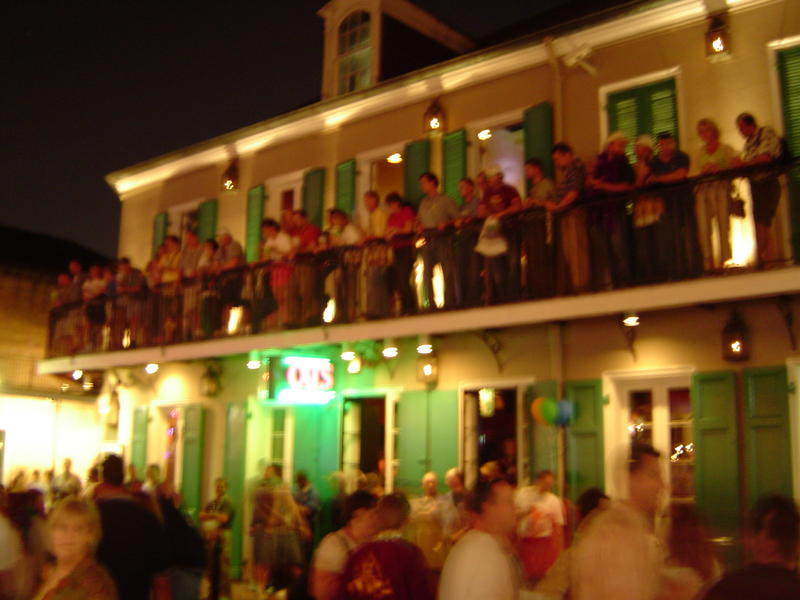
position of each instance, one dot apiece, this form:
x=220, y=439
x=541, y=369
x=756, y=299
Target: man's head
x=775, y=531
x=545, y=480
x=482, y=181
x=220, y=486
x=394, y=202
x=534, y=169
x=562, y=155
x=616, y=143
x=67, y=465
x=371, y=200
x=95, y=272
x=153, y=473
x=746, y=123
x=666, y=143
x=494, y=175
x=430, y=483
x=359, y=514
x=338, y=218
x=113, y=470
x=392, y=511
x=644, y=478
x=300, y=218
x=429, y=183
x=493, y=502
x=190, y=238
x=466, y=187
x=172, y=243
x=75, y=267
x=270, y=228
x=708, y=130
x=454, y=479
x=589, y=500
x=302, y=479
x=63, y=280
x=224, y=236
x=643, y=147
x=124, y=265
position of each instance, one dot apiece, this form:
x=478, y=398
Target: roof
x=40, y=252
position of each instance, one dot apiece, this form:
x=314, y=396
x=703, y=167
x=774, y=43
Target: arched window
x=355, y=53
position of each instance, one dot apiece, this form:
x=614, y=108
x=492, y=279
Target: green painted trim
x=194, y=429
x=346, y=186
x=234, y=473
x=255, y=214
x=454, y=162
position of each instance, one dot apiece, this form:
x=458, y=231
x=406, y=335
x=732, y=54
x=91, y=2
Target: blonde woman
x=73, y=531
x=713, y=198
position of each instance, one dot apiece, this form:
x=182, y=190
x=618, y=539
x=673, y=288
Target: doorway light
x=390, y=348
x=347, y=352
x=630, y=319
x=394, y=158
x=484, y=134
x=354, y=366
x=424, y=345
x=151, y=368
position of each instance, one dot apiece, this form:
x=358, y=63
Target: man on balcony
x=190, y=258
x=229, y=259
x=304, y=300
x=501, y=200
x=377, y=259
x=469, y=261
x=436, y=211
x=537, y=236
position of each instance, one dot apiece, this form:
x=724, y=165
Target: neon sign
x=304, y=380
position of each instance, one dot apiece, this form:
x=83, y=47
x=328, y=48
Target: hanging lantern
x=433, y=119
x=718, y=43
x=735, y=339
x=230, y=178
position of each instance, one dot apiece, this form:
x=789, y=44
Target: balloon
x=536, y=406
x=549, y=411
x=564, y=412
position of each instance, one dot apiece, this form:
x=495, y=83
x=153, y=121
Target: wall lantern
x=735, y=339
x=718, y=43
x=390, y=349
x=433, y=119
x=230, y=178
x=428, y=369
x=210, y=384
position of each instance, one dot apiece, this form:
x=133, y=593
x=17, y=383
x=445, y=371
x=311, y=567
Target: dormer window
x=355, y=53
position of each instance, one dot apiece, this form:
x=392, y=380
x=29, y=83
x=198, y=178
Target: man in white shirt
x=330, y=558
x=481, y=566
x=428, y=514
x=540, y=516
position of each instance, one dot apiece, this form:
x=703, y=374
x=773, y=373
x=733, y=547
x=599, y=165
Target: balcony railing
x=604, y=242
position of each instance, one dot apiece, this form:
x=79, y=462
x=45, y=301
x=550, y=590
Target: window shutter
x=544, y=438
x=661, y=109
x=139, y=439
x=444, y=434
x=412, y=440
x=716, y=470
x=648, y=109
x=314, y=195
x=194, y=425
x=585, y=452
x=160, y=226
x=346, y=186
x=769, y=455
x=454, y=160
x=416, y=161
x=538, y=132
x=789, y=74
x=207, y=220
x=235, y=453
x=255, y=213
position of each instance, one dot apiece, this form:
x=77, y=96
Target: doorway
x=363, y=441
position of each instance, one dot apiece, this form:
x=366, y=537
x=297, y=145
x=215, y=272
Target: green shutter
x=412, y=441
x=538, y=130
x=207, y=220
x=255, y=213
x=235, y=453
x=314, y=195
x=443, y=411
x=766, y=418
x=585, y=448
x=139, y=439
x=544, y=438
x=194, y=425
x=454, y=161
x=650, y=108
x=789, y=73
x=160, y=226
x=346, y=186
x=416, y=161
x=716, y=470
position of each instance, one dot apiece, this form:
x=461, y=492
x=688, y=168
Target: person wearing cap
x=228, y=258
x=671, y=166
x=648, y=231
x=612, y=176
x=713, y=202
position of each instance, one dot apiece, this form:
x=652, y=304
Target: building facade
x=230, y=404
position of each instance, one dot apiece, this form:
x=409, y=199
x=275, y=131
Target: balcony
x=604, y=256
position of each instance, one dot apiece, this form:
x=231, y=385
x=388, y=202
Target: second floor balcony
x=655, y=248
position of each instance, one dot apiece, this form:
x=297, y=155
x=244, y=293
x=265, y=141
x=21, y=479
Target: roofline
x=629, y=20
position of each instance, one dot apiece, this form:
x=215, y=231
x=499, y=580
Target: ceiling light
x=253, y=364
x=630, y=319
x=347, y=352
x=151, y=368
x=354, y=366
x=77, y=374
x=394, y=158
x=484, y=134
x=424, y=345
x=390, y=349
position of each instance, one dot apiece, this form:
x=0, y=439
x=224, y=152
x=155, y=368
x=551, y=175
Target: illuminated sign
x=302, y=380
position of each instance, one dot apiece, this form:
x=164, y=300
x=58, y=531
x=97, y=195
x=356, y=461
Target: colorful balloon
x=564, y=412
x=536, y=411
x=549, y=411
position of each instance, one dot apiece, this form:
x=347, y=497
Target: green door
x=538, y=131
x=766, y=418
x=454, y=161
x=416, y=161
x=412, y=441
x=314, y=195
x=346, y=186
x=139, y=439
x=235, y=450
x=194, y=427
x=160, y=226
x=716, y=471
x=585, y=448
x=443, y=416
x=255, y=213
x=207, y=220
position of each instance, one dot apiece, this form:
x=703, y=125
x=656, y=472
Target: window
x=649, y=108
x=355, y=53
x=789, y=72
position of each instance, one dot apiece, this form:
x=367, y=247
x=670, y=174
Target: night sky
x=93, y=87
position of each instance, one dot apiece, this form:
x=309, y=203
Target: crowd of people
x=120, y=537
x=613, y=225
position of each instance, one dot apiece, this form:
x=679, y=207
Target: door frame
x=793, y=376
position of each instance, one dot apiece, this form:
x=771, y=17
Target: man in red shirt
x=399, y=231
x=501, y=200
x=304, y=296
x=388, y=567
